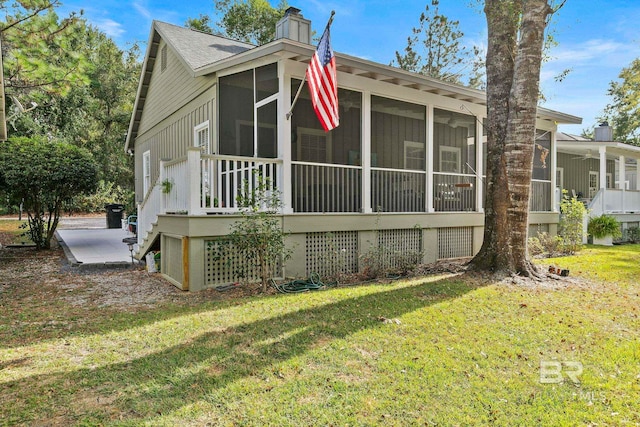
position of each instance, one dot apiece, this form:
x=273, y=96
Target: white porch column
x=366, y=153
x=603, y=167
x=430, y=158
x=194, y=171
x=622, y=173
x=479, y=166
x=637, y=174
x=285, y=177
x=553, y=164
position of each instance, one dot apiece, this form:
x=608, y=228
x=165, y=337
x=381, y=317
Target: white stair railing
x=148, y=212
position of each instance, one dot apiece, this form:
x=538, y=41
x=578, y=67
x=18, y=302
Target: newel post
x=163, y=197
x=194, y=178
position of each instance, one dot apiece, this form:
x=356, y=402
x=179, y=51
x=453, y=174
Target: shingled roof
x=205, y=54
x=198, y=49
x=194, y=48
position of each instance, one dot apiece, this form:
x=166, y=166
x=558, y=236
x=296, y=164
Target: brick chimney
x=293, y=26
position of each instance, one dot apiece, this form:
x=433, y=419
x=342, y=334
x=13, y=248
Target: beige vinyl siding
x=170, y=138
x=388, y=135
x=170, y=90
x=576, y=171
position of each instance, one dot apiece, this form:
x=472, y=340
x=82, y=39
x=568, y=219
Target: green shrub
x=546, y=245
x=632, y=234
x=604, y=225
x=107, y=193
x=258, y=234
x=571, y=227
x=381, y=261
x=43, y=174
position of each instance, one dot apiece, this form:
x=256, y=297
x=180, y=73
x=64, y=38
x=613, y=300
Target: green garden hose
x=313, y=283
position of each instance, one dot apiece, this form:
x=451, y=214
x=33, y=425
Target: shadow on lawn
x=154, y=384
x=45, y=301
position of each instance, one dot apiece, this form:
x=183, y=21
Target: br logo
x=554, y=372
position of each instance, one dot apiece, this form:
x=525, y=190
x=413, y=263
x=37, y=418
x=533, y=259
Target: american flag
x=323, y=83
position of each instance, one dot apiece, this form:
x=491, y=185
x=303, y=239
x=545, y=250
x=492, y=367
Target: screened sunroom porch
x=388, y=155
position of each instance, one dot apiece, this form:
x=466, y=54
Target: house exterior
x=602, y=173
x=404, y=169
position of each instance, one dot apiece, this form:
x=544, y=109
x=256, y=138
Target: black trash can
x=114, y=215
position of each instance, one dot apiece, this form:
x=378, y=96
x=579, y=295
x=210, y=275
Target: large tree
x=434, y=48
x=623, y=113
x=251, y=21
x=89, y=104
x=40, y=49
x=514, y=55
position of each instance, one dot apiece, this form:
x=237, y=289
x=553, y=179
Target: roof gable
x=195, y=49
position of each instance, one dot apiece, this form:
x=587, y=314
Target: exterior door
x=594, y=183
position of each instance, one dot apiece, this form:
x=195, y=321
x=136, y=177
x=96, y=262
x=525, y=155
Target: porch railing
x=454, y=192
x=326, y=188
x=176, y=174
x=397, y=190
x=611, y=200
x=226, y=178
x=541, y=199
x=201, y=184
x=148, y=211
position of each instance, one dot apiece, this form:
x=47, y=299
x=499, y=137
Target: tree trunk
x=513, y=76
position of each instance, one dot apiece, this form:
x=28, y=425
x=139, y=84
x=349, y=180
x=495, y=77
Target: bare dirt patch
x=27, y=275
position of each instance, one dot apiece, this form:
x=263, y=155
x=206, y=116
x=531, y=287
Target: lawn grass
x=442, y=350
x=12, y=233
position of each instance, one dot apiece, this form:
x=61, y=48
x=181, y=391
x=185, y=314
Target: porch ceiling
x=591, y=149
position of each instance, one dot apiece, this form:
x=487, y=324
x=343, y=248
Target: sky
x=596, y=38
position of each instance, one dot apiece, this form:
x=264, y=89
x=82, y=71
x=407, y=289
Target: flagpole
x=295, y=99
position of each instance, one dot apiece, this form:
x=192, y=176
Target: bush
x=632, y=234
x=44, y=174
x=380, y=261
x=258, y=235
x=107, y=193
x=604, y=225
x=571, y=228
x=546, y=245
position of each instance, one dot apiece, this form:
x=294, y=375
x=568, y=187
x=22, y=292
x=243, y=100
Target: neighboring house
x=403, y=170
x=602, y=173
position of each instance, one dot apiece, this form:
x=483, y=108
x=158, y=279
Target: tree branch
x=27, y=17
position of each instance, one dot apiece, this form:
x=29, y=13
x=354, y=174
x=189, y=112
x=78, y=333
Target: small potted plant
x=166, y=185
x=604, y=229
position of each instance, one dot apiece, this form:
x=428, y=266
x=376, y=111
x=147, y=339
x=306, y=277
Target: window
x=146, y=172
x=347, y=137
x=541, y=156
x=454, y=142
x=248, y=113
x=398, y=134
x=163, y=58
x=314, y=145
x=266, y=136
x=594, y=183
x=450, y=159
x=201, y=137
x=560, y=178
x=414, y=155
